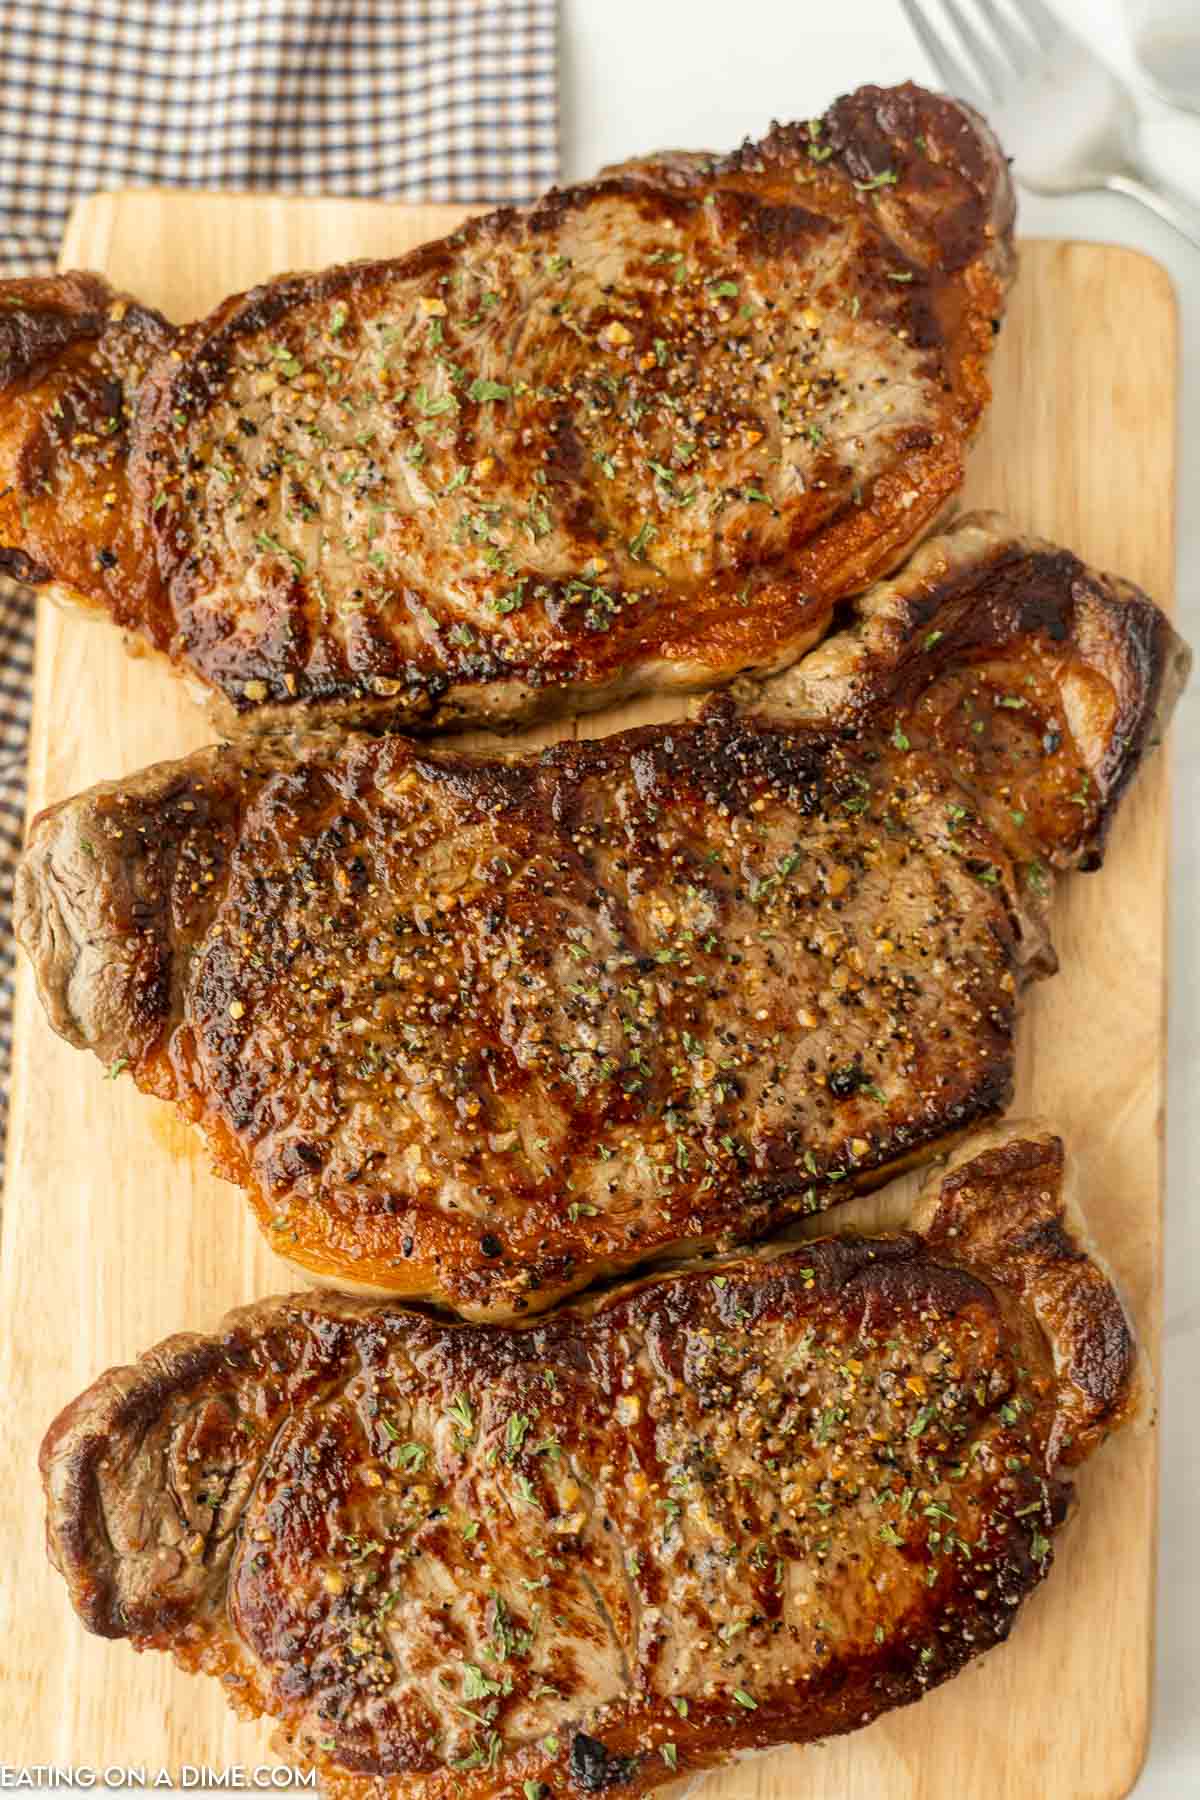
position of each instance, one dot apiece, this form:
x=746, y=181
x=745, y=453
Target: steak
x=749, y=1504
x=641, y=436
x=478, y=1029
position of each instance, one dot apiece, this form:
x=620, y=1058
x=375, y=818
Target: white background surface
x=703, y=74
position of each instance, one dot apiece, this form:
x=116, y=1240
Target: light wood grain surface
x=115, y=1234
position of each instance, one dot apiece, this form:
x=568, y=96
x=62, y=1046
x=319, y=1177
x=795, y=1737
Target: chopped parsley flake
x=462, y=1415
x=476, y=1685
x=515, y=1435
x=644, y=537
x=482, y=389
x=432, y=406
x=525, y=1489
x=922, y=1421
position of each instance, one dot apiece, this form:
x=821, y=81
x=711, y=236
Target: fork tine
x=1016, y=45
x=948, y=67
x=981, y=53
x=1046, y=28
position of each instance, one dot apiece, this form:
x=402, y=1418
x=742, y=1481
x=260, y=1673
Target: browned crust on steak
x=479, y=1029
x=1037, y=1245
x=719, y=394
x=72, y=356
x=964, y=597
x=879, y=1425
x=78, y=1539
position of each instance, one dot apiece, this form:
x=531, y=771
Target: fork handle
x=1184, y=218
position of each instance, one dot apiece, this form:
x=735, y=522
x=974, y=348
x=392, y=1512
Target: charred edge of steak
x=873, y=126
x=1037, y=1244
x=1155, y=663
x=72, y=357
x=120, y=1408
x=1036, y=590
x=985, y=590
x=92, y=902
x=41, y=317
x=595, y=1769
x=18, y=566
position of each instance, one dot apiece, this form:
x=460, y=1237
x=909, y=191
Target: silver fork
x=1061, y=114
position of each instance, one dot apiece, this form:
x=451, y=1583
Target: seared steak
x=478, y=1029
x=642, y=436
x=750, y=1504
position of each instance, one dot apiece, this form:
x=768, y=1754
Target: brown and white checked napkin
x=420, y=100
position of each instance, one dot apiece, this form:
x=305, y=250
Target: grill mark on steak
x=644, y=435
x=480, y=1029
x=830, y=1474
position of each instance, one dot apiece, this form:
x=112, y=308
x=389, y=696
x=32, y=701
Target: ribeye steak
x=751, y=1504
x=642, y=436
x=478, y=1029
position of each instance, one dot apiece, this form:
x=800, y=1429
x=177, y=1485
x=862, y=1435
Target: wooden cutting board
x=115, y=1234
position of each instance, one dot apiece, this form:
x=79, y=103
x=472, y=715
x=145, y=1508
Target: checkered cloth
x=452, y=100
